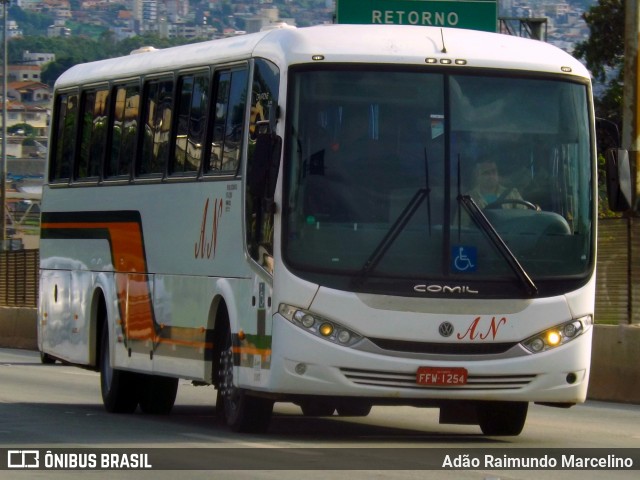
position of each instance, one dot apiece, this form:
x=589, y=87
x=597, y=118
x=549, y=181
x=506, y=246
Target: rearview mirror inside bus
x=262, y=171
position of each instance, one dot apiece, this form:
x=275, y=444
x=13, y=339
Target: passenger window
x=229, y=120
x=93, y=133
x=157, y=127
x=124, y=131
x=65, y=137
x=192, y=105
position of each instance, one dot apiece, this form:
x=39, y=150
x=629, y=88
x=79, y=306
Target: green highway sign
x=472, y=14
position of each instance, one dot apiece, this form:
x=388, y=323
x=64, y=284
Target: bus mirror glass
x=618, y=179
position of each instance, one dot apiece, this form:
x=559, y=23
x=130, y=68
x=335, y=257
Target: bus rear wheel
x=242, y=411
x=46, y=359
x=502, y=418
x=119, y=388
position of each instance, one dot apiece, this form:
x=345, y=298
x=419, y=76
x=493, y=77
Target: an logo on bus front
x=447, y=289
x=482, y=329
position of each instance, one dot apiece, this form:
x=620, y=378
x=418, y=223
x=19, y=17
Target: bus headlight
x=558, y=335
x=319, y=326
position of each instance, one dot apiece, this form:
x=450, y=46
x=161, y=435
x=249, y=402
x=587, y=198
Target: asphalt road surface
x=58, y=409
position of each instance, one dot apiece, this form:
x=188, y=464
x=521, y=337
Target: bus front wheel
x=242, y=411
x=157, y=394
x=502, y=418
x=119, y=388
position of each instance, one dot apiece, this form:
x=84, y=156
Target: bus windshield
x=399, y=179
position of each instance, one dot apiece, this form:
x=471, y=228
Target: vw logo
x=445, y=329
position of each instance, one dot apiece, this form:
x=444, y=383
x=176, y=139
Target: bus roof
x=386, y=44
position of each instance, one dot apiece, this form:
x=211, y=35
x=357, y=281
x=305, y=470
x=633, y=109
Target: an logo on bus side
x=207, y=242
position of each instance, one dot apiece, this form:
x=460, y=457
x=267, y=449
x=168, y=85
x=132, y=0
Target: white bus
x=296, y=215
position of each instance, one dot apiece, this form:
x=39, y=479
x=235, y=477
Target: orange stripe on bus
x=127, y=255
x=265, y=352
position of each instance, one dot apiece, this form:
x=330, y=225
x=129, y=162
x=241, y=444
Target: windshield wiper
x=483, y=222
x=391, y=235
x=398, y=226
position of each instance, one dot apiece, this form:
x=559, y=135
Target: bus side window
x=158, y=109
x=65, y=137
x=228, y=123
x=191, y=111
x=93, y=133
x=124, y=131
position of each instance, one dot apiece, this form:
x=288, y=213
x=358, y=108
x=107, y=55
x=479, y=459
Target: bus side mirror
x=262, y=173
x=618, y=180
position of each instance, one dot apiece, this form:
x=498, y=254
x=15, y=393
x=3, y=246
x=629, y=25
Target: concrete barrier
x=615, y=361
x=615, y=364
x=18, y=328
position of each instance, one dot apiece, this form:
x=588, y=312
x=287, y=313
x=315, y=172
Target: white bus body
x=324, y=248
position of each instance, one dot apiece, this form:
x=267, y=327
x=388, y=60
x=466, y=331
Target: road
x=58, y=406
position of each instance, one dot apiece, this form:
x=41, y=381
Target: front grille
x=442, y=348
x=376, y=378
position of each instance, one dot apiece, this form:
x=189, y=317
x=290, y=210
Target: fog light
x=301, y=368
x=326, y=329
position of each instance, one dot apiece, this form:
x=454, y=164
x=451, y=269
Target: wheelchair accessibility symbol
x=464, y=258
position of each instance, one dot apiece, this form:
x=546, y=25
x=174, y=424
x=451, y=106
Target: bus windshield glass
x=382, y=165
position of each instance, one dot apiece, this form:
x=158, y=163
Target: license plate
x=438, y=376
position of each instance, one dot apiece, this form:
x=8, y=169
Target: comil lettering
x=444, y=289
x=401, y=17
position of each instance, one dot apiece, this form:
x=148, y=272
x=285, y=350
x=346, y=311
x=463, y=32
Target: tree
x=53, y=70
x=603, y=53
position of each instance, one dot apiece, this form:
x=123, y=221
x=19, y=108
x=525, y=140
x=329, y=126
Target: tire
x=355, y=409
x=317, y=408
x=119, y=388
x=157, y=394
x=502, y=418
x=242, y=411
x=46, y=359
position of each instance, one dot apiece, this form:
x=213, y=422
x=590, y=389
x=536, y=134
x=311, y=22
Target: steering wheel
x=514, y=201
